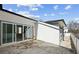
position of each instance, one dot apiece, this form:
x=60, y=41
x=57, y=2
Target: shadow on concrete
x=71, y=50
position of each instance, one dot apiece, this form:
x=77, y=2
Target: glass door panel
x=0, y=32
x=25, y=32
x=19, y=33
x=4, y=33
x=29, y=32
x=9, y=33
x=14, y=33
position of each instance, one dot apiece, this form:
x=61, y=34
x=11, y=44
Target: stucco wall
x=48, y=33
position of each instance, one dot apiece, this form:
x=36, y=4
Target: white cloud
x=10, y=9
x=34, y=9
x=18, y=5
x=55, y=7
x=62, y=13
x=27, y=14
x=76, y=19
x=36, y=16
x=45, y=14
x=30, y=5
x=16, y=9
x=68, y=7
x=24, y=13
x=52, y=14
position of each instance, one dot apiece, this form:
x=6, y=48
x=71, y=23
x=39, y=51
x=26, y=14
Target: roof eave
x=18, y=14
x=57, y=21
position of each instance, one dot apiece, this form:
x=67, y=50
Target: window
x=19, y=30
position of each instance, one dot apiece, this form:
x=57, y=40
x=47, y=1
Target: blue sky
x=46, y=12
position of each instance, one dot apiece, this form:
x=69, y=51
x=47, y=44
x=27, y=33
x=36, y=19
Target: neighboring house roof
x=15, y=13
x=56, y=22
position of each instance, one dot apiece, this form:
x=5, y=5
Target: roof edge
x=58, y=20
x=17, y=14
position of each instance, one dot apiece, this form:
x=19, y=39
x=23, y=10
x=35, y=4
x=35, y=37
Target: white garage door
x=48, y=33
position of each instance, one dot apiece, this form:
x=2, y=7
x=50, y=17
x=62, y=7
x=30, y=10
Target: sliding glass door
x=7, y=33
x=13, y=32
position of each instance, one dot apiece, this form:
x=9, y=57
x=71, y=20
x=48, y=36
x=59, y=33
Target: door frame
x=6, y=30
x=14, y=37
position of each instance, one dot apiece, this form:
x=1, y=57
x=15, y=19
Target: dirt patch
x=34, y=47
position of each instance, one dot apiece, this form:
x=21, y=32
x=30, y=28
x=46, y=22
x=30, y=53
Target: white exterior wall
x=48, y=34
